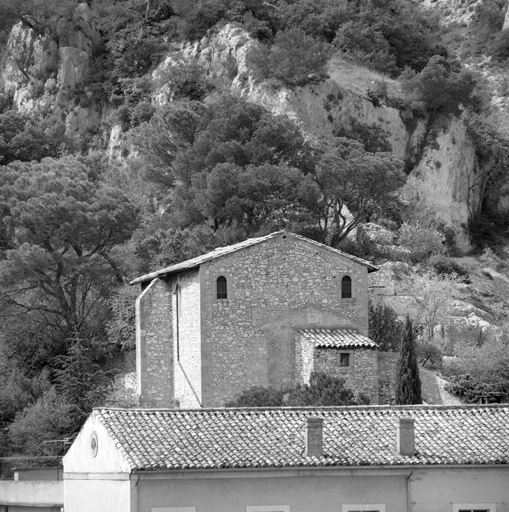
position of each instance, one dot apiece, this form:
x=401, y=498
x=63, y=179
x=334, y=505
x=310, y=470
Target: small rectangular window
x=344, y=359
x=474, y=507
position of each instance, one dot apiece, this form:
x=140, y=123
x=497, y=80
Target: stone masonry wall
x=360, y=377
x=387, y=362
x=154, y=346
x=187, y=353
x=273, y=288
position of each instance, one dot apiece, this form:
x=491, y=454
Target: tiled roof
x=339, y=338
x=221, y=251
x=274, y=438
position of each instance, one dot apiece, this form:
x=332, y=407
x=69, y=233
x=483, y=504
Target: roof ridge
x=313, y=408
x=228, y=249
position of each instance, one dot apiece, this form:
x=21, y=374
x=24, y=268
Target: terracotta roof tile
x=222, y=251
x=340, y=338
x=353, y=436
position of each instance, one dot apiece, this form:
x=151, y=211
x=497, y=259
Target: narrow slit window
x=221, y=288
x=346, y=287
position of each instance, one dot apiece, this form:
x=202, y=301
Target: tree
x=80, y=379
x=442, y=86
x=27, y=138
x=348, y=176
x=431, y=293
x=385, y=328
x=408, y=383
x=294, y=59
x=59, y=227
x=322, y=390
x=38, y=15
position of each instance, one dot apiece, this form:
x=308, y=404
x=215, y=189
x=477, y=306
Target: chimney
x=405, y=434
x=314, y=440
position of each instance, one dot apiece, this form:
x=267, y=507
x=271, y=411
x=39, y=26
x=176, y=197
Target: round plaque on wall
x=94, y=443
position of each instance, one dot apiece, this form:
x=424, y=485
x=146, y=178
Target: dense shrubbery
x=322, y=390
x=421, y=241
x=442, y=86
x=294, y=59
x=31, y=137
x=489, y=229
x=386, y=35
x=385, y=328
x=480, y=371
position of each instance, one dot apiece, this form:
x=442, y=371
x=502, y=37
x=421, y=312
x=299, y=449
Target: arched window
x=346, y=287
x=221, y=288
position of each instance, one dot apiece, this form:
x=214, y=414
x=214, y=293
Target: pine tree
x=408, y=383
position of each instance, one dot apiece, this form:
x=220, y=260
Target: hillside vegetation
x=135, y=134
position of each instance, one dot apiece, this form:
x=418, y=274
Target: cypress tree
x=408, y=383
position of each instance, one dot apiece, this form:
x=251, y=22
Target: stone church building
x=264, y=312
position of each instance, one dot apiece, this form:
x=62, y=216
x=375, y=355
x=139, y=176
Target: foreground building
x=341, y=459
x=264, y=312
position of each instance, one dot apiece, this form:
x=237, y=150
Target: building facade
x=242, y=315
x=321, y=459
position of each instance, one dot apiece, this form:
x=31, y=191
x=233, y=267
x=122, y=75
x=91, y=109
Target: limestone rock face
x=454, y=11
x=447, y=170
x=38, y=73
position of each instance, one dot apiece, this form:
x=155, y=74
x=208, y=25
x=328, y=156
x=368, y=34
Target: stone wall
x=154, y=346
x=362, y=374
x=387, y=362
x=187, y=350
x=273, y=288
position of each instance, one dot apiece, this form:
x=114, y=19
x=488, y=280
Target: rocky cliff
x=444, y=161
x=42, y=72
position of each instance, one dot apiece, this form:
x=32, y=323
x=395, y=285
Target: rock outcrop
x=42, y=73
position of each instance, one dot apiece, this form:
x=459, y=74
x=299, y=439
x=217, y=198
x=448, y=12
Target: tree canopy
x=59, y=226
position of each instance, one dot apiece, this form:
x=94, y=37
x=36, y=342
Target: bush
x=295, y=59
x=421, y=241
x=470, y=389
x=500, y=46
x=258, y=396
x=367, y=46
x=442, y=86
x=372, y=137
x=322, y=390
x=429, y=356
x=385, y=328
x=446, y=267
x=489, y=229
x=185, y=81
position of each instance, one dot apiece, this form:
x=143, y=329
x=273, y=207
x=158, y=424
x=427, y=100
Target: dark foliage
x=293, y=60
x=258, y=396
x=442, y=86
x=373, y=137
x=322, y=390
x=446, y=267
x=385, y=328
x=408, y=383
x=429, y=355
x=489, y=229
x=31, y=137
x=472, y=389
